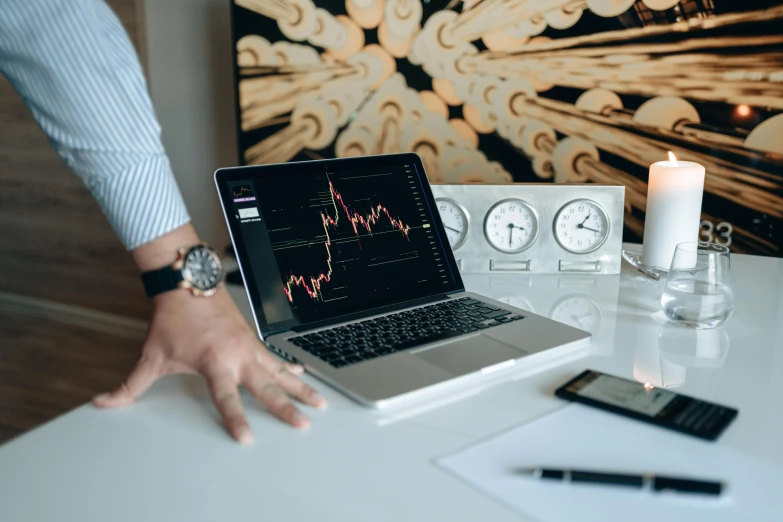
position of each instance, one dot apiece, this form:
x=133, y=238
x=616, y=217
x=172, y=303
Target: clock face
x=581, y=226
x=511, y=226
x=455, y=221
x=579, y=311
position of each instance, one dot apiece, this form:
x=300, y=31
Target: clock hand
x=452, y=229
x=510, y=233
x=520, y=228
x=581, y=225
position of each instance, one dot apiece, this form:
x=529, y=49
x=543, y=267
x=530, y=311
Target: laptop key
x=493, y=315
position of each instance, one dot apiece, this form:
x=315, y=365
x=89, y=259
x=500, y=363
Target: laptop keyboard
x=366, y=340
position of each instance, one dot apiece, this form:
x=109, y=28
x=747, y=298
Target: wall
x=190, y=75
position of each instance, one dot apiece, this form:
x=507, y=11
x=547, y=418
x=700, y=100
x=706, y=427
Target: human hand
x=210, y=337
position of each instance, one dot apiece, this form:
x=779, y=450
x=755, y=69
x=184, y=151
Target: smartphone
x=648, y=403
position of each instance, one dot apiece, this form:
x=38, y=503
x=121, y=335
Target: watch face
x=511, y=226
x=455, y=221
x=581, y=226
x=202, y=268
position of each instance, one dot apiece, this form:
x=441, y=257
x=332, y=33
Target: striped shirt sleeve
x=77, y=71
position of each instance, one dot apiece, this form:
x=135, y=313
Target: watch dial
x=455, y=221
x=579, y=311
x=511, y=226
x=581, y=226
x=202, y=268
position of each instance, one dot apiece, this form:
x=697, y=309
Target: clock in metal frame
x=479, y=254
x=576, y=218
x=456, y=221
x=515, y=218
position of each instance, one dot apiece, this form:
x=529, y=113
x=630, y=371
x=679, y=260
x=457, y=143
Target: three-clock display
x=512, y=225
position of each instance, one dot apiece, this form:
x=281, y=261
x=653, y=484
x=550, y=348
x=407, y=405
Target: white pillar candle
x=673, y=215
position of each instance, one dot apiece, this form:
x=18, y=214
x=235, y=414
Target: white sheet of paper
x=580, y=437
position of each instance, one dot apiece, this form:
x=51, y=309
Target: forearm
x=163, y=250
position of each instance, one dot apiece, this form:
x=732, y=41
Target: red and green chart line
x=312, y=285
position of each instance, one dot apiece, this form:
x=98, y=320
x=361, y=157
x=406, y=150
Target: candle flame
x=743, y=110
x=672, y=159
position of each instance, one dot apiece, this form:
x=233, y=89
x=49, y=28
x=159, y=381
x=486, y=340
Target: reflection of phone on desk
x=647, y=403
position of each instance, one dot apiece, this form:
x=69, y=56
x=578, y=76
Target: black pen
x=649, y=481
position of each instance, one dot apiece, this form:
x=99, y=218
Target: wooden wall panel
x=54, y=240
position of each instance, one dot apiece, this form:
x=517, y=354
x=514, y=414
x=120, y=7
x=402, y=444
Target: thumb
x=140, y=379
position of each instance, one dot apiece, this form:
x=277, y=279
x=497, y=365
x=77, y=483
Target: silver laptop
x=349, y=273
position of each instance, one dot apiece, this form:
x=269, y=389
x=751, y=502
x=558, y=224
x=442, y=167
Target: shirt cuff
x=143, y=202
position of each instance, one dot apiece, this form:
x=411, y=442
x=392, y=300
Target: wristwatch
x=197, y=268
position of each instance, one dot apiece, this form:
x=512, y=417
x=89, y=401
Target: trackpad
x=470, y=355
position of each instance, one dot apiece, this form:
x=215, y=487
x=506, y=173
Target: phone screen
x=634, y=396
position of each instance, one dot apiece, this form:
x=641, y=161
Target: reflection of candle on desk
x=674, y=193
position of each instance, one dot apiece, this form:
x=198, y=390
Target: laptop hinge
x=371, y=312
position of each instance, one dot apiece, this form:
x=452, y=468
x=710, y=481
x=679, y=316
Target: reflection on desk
x=585, y=302
x=671, y=356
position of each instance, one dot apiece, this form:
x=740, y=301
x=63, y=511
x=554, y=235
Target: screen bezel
x=257, y=173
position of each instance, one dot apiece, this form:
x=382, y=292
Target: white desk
x=168, y=458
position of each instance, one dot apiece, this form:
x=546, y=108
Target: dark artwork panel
x=563, y=91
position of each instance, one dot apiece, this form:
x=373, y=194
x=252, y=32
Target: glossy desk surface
x=168, y=458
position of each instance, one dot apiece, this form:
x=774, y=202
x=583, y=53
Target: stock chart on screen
x=344, y=241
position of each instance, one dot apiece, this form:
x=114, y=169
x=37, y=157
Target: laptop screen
x=325, y=239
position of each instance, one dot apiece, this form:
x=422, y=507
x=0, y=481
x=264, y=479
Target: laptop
x=349, y=272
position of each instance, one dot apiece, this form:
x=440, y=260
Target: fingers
x=225, y=395
x=286, y=374
x=271, y=395
x=298, y=389
x=271, y=363
x=140, y=379
x=294, y=369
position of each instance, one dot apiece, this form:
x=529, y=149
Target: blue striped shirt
x=77, y=71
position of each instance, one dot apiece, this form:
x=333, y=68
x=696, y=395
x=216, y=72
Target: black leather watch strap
x=161, y=280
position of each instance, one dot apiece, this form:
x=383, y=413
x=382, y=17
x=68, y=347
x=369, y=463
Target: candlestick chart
x=358, y=222
x=332, y=241
x=348, y=239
